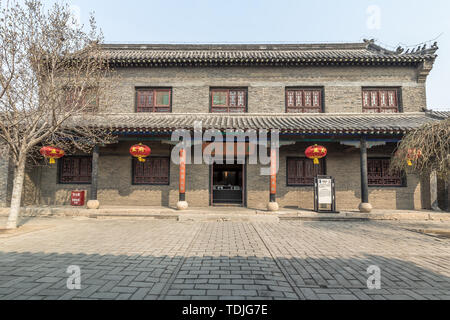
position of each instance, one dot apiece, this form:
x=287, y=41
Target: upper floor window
x=379, y=175
x=75, y=170
x=153, y=100
x=379, y=100
x=304, y=100
x=301, y=171
x=228, y=100
x=86, y=99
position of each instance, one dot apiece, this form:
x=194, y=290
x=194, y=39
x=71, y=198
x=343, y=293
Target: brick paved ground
x=145, y=259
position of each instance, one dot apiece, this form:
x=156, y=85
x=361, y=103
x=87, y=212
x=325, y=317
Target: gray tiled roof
x=301, y=123
x=439, y=114
x=263, y=54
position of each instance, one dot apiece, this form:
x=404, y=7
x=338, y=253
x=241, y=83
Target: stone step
x=134, y=216
x=213, y=217
x=318, y=218
x=227, y=214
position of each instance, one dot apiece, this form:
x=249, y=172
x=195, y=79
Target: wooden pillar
x=365, y=205
x=273, y=205
x=182, y=184
x=94, y=182
x=182, y=204
x=364, y=179
x=273, y=175
x=93, y=203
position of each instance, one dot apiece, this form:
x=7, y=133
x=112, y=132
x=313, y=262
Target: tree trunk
x=19, y=175
x=434, y=192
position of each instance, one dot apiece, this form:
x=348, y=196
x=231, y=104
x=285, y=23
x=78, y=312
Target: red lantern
x=316, y=152
x=52, y=153
x=140, y=151
x=413, y=154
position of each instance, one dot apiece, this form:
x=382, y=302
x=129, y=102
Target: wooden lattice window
x=75, y=170
x=304, y=100
x=379, y=175
x=228, y=100
x=86, y=99
x=381, y=100
x=301, y=171
x=153, y=100
x=154, y=171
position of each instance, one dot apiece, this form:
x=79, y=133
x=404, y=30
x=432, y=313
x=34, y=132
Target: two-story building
x=355, y=99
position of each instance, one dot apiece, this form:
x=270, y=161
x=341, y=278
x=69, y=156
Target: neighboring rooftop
x=441, y=115
x=365, y=53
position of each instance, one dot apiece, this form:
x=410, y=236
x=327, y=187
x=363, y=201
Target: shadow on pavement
x=26, y=275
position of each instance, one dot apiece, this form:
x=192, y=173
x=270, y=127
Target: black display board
x=324, y=194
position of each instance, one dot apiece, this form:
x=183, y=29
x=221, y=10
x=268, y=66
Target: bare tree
x=53, y=76
x=425, y=150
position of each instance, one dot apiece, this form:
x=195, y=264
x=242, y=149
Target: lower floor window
x=75, y=170
x=154, y=171
x=301, y=171
x=379, y=175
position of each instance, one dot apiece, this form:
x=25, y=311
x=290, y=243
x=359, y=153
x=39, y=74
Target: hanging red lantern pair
x=52, y=153
x=316, y=152
x=140, y=152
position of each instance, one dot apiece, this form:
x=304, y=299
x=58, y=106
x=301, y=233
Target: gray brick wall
x=115, y=187
x=5, y=181
x=115, y=181
x=343, y=164
x=266, y=86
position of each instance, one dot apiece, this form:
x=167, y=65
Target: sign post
x=324, y=194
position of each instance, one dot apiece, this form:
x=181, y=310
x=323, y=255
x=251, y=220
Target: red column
x=273, y=175
x=182, y=184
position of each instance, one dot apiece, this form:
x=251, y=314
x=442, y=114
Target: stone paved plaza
x=156, y=259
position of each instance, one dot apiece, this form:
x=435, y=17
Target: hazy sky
x=391, y=23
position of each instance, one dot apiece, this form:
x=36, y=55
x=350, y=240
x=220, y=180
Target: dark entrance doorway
x=227, y=182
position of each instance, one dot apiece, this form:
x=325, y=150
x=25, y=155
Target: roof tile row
x=366, y=52
x=320, y=123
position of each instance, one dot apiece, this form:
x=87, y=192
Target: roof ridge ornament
x=371, y=45
x=424, y=50
x=432, y=49
x=420, y=50
x=371, y=41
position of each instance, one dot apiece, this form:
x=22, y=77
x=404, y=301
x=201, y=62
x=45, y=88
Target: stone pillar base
x=273, y=206
x=93, y=204
x=365, y=207
x=182, y=205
